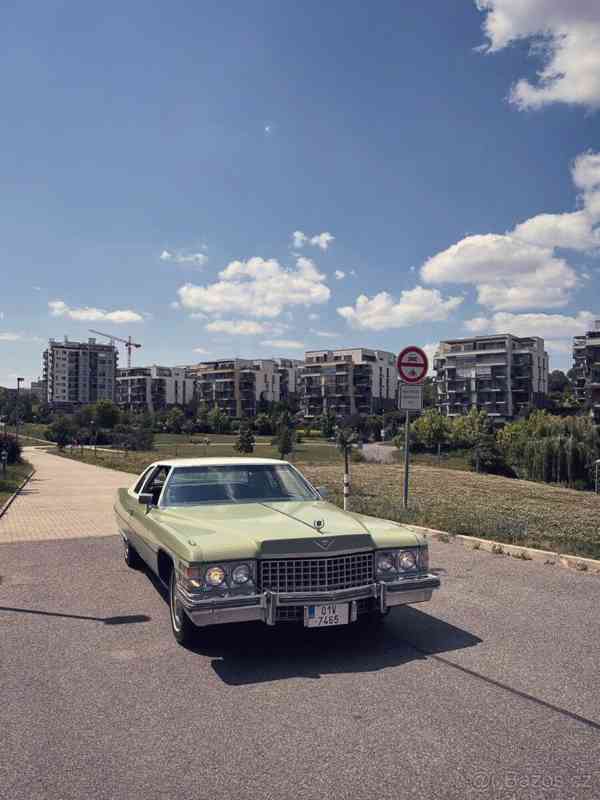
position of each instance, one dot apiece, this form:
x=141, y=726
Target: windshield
x=236, y=483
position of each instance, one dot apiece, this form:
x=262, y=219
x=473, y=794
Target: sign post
x=413, y=366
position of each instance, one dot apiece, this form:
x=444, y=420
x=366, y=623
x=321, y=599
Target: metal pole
x=346, y=479
x=19, y=382
x=406, y=456
x=597, y=476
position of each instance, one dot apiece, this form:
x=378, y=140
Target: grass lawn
x=172, y=439
x=488, y=506
x=313, y=453
x=16, y=473
x=34, y=429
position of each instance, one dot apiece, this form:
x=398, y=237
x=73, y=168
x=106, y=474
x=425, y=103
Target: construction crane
x=129, y=345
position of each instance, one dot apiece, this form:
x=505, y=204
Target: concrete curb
x=578, y=563
x=6, y=506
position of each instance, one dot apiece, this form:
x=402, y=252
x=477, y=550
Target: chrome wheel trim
x=126, y=549
x=176, y=607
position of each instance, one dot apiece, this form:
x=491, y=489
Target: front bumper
x=263, y=607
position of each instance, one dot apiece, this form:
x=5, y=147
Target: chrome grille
x=316, y=574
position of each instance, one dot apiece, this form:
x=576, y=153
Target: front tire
x=182, y=626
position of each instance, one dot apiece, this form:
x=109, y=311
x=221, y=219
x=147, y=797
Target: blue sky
x=157, y=160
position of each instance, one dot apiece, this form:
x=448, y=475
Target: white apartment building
x=586, y=363
x=237, y=385
x=153, y=388
x=79, y=372
x=502, y=374
x=354, y=380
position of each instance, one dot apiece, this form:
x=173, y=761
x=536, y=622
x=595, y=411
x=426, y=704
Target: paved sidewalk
x=64, y=499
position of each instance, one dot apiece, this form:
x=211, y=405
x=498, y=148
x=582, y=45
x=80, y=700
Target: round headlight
x=407, y=560
x=385, y=562
x=215, y=576
x=241, y=574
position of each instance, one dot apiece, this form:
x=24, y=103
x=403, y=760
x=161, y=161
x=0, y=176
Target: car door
x=145, y=540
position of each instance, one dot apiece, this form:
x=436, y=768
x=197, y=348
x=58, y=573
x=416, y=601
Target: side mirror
x=146, y=499
x=323, y=491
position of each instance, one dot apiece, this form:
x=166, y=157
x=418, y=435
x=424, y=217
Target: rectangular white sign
x=411, y=397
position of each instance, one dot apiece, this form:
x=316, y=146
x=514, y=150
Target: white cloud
x=10, y=337
x=284, y=344
x=181, y=257
x=321, y=240
x=201, y=351
x=431, y=349
x=238, y=327
x=325, y=334
x=259, y=288
x=339, y=275
x=1, y=314
x=548, y=326
x=58, y=308
x=414, y=306
x=313, y=316
x=175, y=305
x=564, y=34
x=521, y=269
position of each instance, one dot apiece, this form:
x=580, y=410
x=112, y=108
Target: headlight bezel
x=397, y=555
x=197, y=576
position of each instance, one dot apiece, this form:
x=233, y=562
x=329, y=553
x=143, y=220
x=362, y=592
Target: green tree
x=62, y=431
x=202, y=422
x=373, y=425
x=218, y=421
x=83, y=416
x=467, y=430
x=263, y=425
x=431, y=430
x=245, y=440
x=175, y=420
x=327, y=424
x=285, y=438
x=106, y=414
x=558, y=382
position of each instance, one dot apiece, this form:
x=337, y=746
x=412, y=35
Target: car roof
x=215, y=462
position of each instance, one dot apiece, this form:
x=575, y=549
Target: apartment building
x=586, y=364
x=79, y=372
x=288, y=370
x=502, y=374
x=354, y=380
x=39, y=389
x=153, y=388
x=237, y=385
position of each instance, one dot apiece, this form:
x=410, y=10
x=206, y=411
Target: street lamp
x=597, y=465
x=19, y=382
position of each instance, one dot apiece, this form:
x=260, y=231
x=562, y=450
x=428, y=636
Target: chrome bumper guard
x=263, y=607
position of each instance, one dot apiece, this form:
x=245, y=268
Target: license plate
x=324, y=616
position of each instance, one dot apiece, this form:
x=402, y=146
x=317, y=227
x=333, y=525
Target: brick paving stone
x=64, y=499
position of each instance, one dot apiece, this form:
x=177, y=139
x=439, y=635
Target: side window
x=138, y=487
x=155, y=482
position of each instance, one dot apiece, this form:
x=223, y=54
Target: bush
x=62, y=431
x=13, y=448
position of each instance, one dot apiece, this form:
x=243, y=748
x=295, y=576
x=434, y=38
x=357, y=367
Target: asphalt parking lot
x=489, y=691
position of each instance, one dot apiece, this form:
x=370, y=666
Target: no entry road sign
x=413, y=364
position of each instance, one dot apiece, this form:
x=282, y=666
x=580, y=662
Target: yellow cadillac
x=249, y=539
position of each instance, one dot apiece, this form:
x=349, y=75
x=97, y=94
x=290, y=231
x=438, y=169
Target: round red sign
x=413, y=364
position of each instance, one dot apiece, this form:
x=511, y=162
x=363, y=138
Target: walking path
x=64, y=499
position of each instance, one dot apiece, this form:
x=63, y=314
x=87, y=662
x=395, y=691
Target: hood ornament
x=324, y=544
x=319, y=524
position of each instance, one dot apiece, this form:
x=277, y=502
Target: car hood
x=240, y=531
